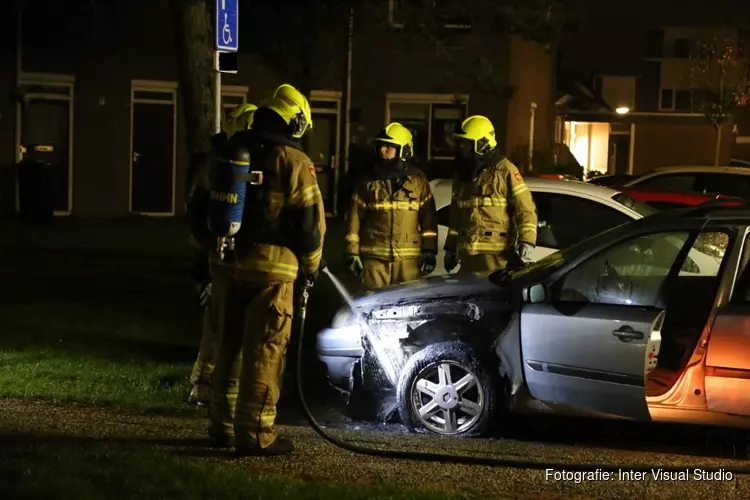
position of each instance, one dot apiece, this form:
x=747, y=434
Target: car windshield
x=636, y=205
x=552, y=261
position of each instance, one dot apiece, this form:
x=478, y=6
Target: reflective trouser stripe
x=250, y=359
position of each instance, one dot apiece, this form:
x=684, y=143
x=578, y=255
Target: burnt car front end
x=365, y=349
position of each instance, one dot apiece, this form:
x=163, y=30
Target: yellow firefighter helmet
x=240, y=118
x=399, y=136
x=293, y=107
x=479, y=130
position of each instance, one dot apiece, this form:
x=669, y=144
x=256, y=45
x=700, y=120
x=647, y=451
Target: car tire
x=473, y=406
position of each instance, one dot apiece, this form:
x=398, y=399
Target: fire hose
x=459, y=459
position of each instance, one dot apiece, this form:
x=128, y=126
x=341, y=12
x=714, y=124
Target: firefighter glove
x=427, y=262
x=311, y=278
x=450, y=261
x=524, y=250
x=354, y=263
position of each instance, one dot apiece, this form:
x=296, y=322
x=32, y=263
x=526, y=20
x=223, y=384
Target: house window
x=666, y=102
x=451, y=15
x=676, y=100
x=432, y=121
x=682, y=48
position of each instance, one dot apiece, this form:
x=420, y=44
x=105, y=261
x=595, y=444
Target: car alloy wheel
x=447, y=397
x=445, y=389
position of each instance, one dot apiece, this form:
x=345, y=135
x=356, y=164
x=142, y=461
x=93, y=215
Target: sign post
x=226, y=40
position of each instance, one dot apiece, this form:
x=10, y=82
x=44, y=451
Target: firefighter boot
x=281, y=446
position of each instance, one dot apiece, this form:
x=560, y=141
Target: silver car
x=646, y=321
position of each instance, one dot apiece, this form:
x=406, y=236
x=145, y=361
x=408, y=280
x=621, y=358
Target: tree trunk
x=717, y=151
x=193, y=28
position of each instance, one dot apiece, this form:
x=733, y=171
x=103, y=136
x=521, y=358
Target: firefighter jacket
x=392, y=223
x=196, y=207
x=288, y=237
x=488, y=211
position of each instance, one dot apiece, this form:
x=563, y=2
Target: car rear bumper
x=340, y=349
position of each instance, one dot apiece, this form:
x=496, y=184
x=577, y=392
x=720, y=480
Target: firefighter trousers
x=254, y=324
x=481, y=264
x=200, y=376
x=380, y=273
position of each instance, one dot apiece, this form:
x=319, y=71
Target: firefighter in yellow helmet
x=392, y=233
x=280, y=238
x=493, y=218
x=240, y=118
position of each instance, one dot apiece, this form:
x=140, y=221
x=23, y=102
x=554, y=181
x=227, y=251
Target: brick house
x=108, y=98
x=648, y=80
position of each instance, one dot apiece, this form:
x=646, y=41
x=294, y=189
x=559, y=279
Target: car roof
x=553, y=185
x=725, y=169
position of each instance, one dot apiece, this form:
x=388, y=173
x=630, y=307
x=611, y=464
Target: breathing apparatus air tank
x=230, y=176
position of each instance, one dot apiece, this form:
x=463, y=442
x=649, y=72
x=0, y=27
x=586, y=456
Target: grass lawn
x=97, y=472
x=89, y=353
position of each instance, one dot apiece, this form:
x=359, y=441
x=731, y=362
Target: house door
x=153, y=139
x=323, y=145
x=619, y=154
x=46, y=119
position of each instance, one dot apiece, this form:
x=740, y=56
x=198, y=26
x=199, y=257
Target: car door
x=727, y=373
x=592, y=341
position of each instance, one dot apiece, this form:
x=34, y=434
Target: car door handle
x=626, y=334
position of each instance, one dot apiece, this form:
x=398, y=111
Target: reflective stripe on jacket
x=392, y=226
x=491, y=211
x=293, y=194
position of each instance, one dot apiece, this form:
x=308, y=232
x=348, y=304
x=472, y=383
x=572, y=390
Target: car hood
x=437, y=287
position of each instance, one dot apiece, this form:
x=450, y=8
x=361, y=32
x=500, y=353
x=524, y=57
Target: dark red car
x=666, y=200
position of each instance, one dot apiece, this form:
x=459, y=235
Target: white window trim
x=166, y=88
x=430, y=99
x=52, y=80
x=674, y=94
x=396, y=25
x=335, y=97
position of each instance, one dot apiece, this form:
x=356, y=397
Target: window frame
x=583, y=199
x=394, y=24
x=430, y=100
x=673, y=273
x=661, y=99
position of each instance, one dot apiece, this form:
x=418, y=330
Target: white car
x=568, y=212
x=731, y=181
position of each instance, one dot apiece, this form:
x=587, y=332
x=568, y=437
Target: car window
x=729, y=184
x=676, y=182
x=565, y=219
x=630, y=273
x=706, y=254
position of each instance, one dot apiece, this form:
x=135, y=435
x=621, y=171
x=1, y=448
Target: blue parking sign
x=227, y=16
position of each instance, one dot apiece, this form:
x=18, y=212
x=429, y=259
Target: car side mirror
x=534, y=294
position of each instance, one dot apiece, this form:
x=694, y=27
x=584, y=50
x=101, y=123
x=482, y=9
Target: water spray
x=385, y=346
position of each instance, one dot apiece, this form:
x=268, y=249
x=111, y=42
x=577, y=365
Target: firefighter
x=392, y=234
x=201, y=240
x=493, y=218
x=252, y=296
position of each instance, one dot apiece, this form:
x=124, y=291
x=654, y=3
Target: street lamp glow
x=622, y=110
